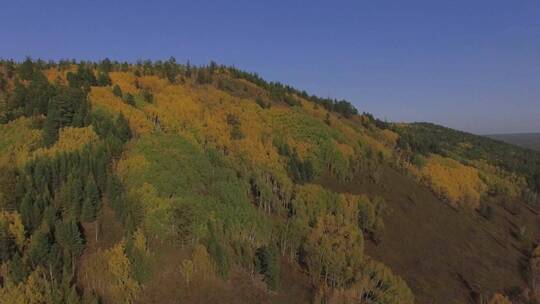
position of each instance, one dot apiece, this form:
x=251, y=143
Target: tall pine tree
x=122, y=130
x=91, y=200
x=50, y=128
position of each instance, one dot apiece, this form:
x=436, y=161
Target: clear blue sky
x=468, y=64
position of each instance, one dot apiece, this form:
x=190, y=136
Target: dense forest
x=160, y=182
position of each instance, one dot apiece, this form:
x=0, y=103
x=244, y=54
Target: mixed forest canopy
x=164, y=182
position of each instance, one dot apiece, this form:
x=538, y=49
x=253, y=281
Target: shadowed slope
x=444, y=255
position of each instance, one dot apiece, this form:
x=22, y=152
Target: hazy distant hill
x=527, y=140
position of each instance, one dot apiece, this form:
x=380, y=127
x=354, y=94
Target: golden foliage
x=134, y=164
x=18, y=140
x=153, y=83
x=157, y=210
x=458, y=183
x=500, y=181
x=35, y=290
x=140, y=243
x=199, y=267
x=55, y=74
x=69, y=139
x=389, y=137
x=499, y=299
x=334, y=250
x=109, y=273
x=201, y=113
x=125, y=80
x=102, y=97
x=15, y=226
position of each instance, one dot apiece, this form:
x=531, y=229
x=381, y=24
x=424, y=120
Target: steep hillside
x=158, y=182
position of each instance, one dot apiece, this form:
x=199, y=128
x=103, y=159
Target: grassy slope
x=445, y=255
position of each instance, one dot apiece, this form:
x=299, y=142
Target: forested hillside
x=159, y=182
x=526, y=140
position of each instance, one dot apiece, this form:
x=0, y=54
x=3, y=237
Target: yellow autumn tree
x=109, y=273
x=499, y=299
x=199, y=267
x=18, y=139
x=36, y=289
x=125, y=80
x=334, y=251
x=102, y=97
x=15, y=226
x=458, y=183
x=69, y=139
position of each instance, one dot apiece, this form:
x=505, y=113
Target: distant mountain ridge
x=526, y=140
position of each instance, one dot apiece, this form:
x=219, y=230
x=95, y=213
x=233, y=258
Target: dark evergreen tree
x=170, y=69
x=267, y=263
x=300, y=170
x=7, y=244
x=106, y=65
x=3, y=82
x=117, y=91
x=84, y=78
x=103, y=79
x=39, y=93
x=50, y=128
x=26, y=210
x=17, y=99
x=114, y=195
x=77, y=195
x=188, y=69
x=147, y=95
x=102, y=123
x=122, y=129
x=55, y=261
x=203, y=77
x=17, y=269
x=91, y=201
x=101, y=161
x=130, y=100
x=26, y=69
x=81, y=115
x=68, y=107
x=113, y=146
x=67, y=102
x=40, y=245
x=49, y=215
x=8, y=184
x=69, y=237
x=40, y=203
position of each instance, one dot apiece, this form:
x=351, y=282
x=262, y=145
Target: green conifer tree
x=17, y=269
x=91, y=201
x=50, y=128
x=76, y=194
x=26, y=69
x=40, y=244
x=130, y=100
x=117, y=91
x=122, y=129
